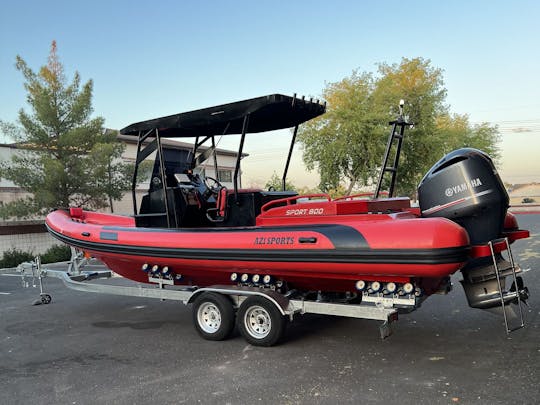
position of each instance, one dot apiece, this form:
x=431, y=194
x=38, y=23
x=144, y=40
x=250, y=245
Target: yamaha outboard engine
x=464, y=186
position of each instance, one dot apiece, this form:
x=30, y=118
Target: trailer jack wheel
x=260, y=321
x=46, y=298
x=213, y=316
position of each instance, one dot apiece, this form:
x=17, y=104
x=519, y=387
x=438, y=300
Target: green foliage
x=14, y=257
x=455, y=131
x=422, y=87
x=307, y=190
x=340, y=191
x=275, y=183
x=346, y=145
x=65, y=157
x=56, y=253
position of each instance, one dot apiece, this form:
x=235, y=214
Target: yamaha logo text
x=460, y=188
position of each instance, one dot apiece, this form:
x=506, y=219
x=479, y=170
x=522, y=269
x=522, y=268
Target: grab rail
x=290, y=200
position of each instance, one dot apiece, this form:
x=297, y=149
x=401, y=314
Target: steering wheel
x=212, y=187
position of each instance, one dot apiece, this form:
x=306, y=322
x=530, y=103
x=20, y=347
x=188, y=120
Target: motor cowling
x=464, y=186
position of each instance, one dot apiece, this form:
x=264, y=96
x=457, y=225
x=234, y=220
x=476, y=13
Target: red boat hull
x=328, y=253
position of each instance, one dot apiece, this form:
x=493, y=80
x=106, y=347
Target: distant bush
x=56, y=253
x=527, y=200
x=14, y=257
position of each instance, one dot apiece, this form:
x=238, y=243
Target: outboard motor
x=464, y=186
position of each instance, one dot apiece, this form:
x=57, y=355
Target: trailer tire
x=46, y=298
x=213, y=316
x=260, y=321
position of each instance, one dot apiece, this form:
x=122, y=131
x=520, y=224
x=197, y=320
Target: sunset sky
x=149, y=59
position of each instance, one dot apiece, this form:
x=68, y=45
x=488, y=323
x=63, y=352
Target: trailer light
x=279, y=283
x=418, y=292
x=145, y=267
x=165, y=270
x=178, y=277
x=244, y=278
x=255, y=278
x=267, y=279
x=391, y=287
x=234, y=277
x=408, y=288
x=360, y=285
x=155, y=269
x=375, y=286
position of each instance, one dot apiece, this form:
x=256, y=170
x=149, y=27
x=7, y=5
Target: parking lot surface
x=88, y=348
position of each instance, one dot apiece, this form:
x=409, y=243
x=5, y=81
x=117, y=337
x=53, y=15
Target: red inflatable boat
x=192, y=231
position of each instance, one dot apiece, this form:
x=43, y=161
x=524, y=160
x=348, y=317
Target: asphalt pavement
x=87, y=348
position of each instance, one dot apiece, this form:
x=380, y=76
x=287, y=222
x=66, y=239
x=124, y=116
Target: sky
x=150, y=59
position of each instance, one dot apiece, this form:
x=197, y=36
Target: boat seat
x=241, y=208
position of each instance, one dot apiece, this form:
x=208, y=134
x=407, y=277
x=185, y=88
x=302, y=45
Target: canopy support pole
x=138, y=159
x=284, y=178
x=214, y=156
x=134, y=178
x=245, y=125
x=163, y=177
x=195, y=146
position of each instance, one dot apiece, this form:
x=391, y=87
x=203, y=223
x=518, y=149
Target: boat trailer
x=261, y=313
x=264, y=319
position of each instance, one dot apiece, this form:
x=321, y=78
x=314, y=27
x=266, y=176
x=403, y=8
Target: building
x=8, y=190
x=226, y=160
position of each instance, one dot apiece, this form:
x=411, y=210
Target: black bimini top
x=266, y=113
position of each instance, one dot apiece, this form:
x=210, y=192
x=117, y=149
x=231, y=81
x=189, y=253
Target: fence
x=28, y=236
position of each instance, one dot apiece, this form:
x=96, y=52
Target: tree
x=112, y=176
x=422, y=87
x=65, y=158
x=456, y=132
x=346, y=144
x=276, y=183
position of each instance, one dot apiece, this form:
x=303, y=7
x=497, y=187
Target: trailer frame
x=380, y=308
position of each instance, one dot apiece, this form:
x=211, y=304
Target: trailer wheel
x=46, y=298
x=213, y=316
x=260, y=322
